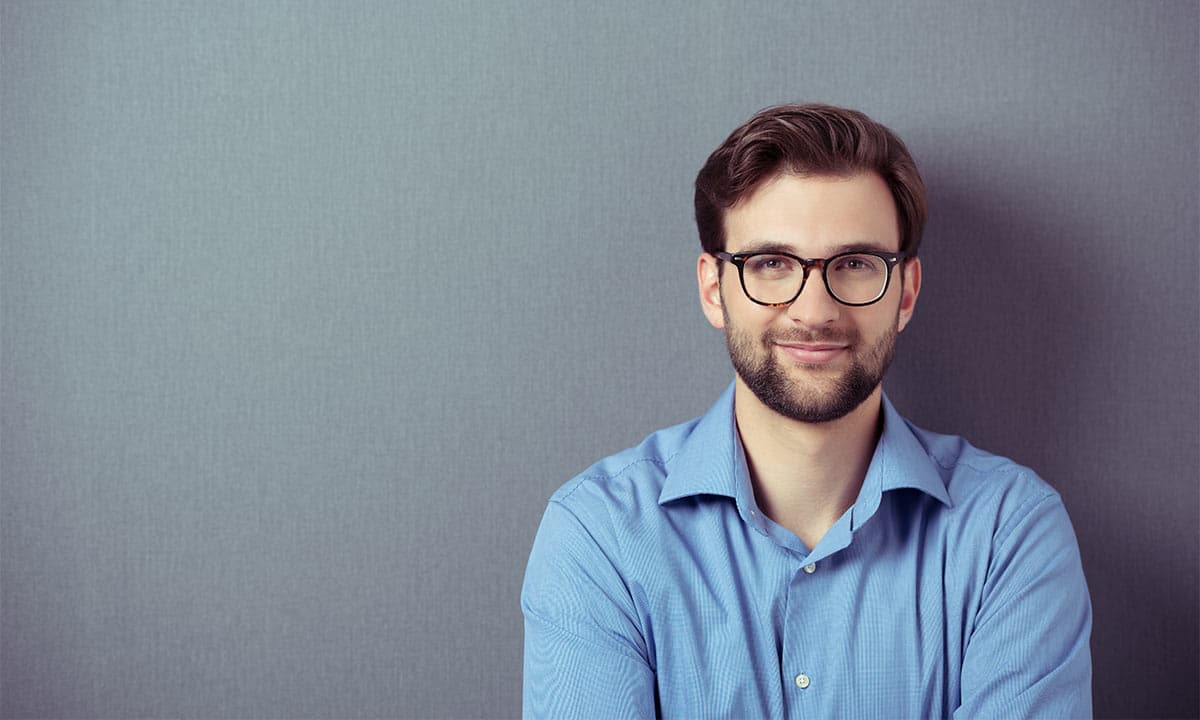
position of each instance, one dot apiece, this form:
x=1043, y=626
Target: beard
x=809, y=401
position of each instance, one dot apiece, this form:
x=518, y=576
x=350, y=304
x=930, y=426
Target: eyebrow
x=767, y=246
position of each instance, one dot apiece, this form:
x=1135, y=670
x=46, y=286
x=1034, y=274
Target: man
x=801, y=550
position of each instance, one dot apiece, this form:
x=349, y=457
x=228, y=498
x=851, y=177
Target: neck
x=806, y=475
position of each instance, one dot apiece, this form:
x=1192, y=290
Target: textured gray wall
x=307, y=308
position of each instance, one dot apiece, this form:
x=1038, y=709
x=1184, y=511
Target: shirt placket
x=800, y=667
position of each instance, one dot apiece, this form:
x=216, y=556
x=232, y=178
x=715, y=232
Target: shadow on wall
x=1005, y=318
x=1022, y=345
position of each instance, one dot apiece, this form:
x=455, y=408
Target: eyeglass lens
x=853, y=278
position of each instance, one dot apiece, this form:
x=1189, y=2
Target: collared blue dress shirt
x=952, y=587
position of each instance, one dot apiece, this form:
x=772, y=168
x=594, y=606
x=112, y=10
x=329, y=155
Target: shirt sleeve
x=585, y=654
x=1028, y=655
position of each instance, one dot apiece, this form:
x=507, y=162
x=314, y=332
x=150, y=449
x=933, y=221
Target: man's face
x=814, y=360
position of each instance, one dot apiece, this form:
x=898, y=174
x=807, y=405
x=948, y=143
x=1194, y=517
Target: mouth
x=813, y=353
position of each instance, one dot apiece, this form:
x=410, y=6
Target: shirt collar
x=708, y=462
x=711, y=462
x=900, y=461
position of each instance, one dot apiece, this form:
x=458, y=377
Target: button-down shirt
x=952, y=587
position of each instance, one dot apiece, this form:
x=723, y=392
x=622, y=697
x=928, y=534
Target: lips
x=813, y=353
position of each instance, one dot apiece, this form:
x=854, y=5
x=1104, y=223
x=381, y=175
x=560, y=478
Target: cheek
x=873, y=325
x=754, y=320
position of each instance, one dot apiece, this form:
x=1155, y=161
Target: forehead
x=815, y=216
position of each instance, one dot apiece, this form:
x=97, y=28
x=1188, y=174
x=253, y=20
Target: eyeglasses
x=777, y=279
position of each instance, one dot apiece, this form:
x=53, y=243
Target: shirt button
x=810, y=569
x=802, y=681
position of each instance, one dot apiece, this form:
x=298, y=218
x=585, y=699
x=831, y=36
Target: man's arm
x=585, y=655
x=1028, y=654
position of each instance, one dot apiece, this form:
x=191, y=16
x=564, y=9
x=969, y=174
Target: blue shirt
x=952, y=587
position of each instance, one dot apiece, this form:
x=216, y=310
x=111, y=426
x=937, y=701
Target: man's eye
x=857, y=264
x=770, y=264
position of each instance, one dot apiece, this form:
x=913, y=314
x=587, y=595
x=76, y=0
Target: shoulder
x=972, y=475
x=627, y=482
x=575, y=579
x=994, y=500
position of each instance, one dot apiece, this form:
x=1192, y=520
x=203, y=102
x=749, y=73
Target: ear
x=708, y=278
x=912, y=288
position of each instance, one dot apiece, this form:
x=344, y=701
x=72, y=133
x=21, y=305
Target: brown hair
x=809, y=139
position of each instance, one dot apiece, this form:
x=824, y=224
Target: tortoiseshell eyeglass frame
x=739, y=259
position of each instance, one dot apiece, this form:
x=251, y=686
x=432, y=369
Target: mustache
x=796, y=335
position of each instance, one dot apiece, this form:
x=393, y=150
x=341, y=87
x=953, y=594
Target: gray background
x=308, y=307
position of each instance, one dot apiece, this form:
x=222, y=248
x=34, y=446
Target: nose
x=814, y=306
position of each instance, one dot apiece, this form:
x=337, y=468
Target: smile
x=812, y=353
